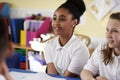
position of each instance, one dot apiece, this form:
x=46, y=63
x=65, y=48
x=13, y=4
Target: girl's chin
x=111, y=46
x=57, y=33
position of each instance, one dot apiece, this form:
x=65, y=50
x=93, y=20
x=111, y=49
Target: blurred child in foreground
x=5, y=50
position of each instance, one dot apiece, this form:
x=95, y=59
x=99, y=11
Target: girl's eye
x=62, y=19
x=114, y=31
x=107, y=30
x=54, y=18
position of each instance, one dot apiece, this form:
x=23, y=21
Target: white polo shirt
x=96, y=65
x=72, y=56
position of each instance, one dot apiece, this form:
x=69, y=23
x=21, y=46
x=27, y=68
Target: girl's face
x=113, y=33
x=62, y=23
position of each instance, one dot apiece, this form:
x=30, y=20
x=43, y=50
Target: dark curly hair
x=76, y=8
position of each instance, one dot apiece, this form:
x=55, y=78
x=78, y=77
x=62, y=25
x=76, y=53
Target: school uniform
x=96, y=65
x=72, y=56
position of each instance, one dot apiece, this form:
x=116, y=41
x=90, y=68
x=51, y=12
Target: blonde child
x=105, y=60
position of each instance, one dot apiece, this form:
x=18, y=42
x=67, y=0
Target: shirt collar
x=67, y=44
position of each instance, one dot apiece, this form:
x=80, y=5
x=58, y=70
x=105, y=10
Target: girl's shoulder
x=102, y=45
x=98, y=50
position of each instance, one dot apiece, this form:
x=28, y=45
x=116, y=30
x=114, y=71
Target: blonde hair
x=107, y=52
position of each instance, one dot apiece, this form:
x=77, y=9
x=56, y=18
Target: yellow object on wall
x=91, y=27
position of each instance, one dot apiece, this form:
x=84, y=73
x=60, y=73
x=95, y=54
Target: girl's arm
x=51, y=69
x=5, y=71
x=69, y=74
x=101, y=78
x=87, y=75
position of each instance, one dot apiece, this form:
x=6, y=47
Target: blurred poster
x=101, y=7
x=117, y=7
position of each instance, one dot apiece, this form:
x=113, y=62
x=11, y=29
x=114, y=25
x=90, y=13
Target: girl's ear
x=10, y=49
x=75, y=21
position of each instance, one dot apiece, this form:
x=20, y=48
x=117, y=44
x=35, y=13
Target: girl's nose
x=56, y=22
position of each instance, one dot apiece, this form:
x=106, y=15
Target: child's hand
x=4, y=68
x=101, y=78
x=5, y=71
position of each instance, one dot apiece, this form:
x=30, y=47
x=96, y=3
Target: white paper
x=35, y=64
x=32, y=76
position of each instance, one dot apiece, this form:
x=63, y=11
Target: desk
x=57, y=76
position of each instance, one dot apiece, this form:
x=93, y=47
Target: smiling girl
x=105, y=60
x=66, y=54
